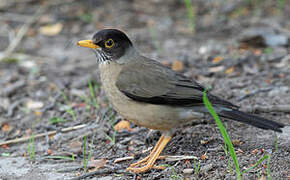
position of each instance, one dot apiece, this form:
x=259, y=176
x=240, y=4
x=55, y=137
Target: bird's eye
x=109, y=43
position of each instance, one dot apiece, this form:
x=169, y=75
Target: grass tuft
x=93, y=90
x=56, y=120
x=196, y=167
x=258, y=163
x=69, y=109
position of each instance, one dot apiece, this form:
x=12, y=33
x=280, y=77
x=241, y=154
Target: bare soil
x=239, y=48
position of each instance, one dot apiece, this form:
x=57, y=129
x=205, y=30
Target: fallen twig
x=167, y=158
x=23, y=139
x=178, y=158
x=123, y=159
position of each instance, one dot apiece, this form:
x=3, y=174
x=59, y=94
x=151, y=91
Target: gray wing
x=151, y=82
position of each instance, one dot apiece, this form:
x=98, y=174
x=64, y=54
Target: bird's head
x=109, y=44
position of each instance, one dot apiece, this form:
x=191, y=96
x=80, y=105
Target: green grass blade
x=92, y=93
x=224, y=134
x=268, y=167
x=190, y=14
x=257, y=163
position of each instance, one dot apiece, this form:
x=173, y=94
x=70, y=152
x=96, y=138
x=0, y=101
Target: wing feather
x=151, y=82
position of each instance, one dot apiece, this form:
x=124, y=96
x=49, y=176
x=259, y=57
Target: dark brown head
x=110, y=44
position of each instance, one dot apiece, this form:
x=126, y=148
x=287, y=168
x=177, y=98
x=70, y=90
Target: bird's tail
x=251, y=119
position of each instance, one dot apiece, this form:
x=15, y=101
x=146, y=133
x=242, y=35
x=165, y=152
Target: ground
x=50, y=90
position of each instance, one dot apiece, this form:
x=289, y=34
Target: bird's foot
x=148, y=162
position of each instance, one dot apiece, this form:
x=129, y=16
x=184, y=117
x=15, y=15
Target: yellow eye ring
x=109, y=43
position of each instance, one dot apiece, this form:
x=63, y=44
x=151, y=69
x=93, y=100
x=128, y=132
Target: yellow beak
x=88, y=43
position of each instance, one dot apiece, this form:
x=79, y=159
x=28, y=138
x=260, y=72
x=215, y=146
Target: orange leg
x=151, y=153
x=149, y=161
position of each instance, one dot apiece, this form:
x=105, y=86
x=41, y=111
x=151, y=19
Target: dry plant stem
x=123, y=159
x=23, y=30
x=24, y=139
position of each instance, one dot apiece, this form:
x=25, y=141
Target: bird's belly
x=152, y=116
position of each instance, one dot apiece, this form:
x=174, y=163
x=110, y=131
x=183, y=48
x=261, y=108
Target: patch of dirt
x=44, y=86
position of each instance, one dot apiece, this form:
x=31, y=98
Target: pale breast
x=148, y=115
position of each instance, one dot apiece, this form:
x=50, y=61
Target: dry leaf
x=177, y=65
x=237, y=142
x=240, y=151
x=255, y=151
x=217, y=59
x=203, y=142
x=122, y=125
x=4, y=146
x=49, y=152
x=204, y=156
x=257, y=52
x=80, y=105
x=38, y=113
x=6, y=127
x=51, y=136
x=97, y=164
x=51, y=30
x=230, y=70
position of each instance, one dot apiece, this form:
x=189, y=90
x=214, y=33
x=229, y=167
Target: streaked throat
x=102, y=57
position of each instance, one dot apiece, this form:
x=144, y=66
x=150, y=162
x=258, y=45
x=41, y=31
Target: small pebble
x=188, y=171
x=206, y=168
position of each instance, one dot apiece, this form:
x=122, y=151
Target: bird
x=149, y=94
